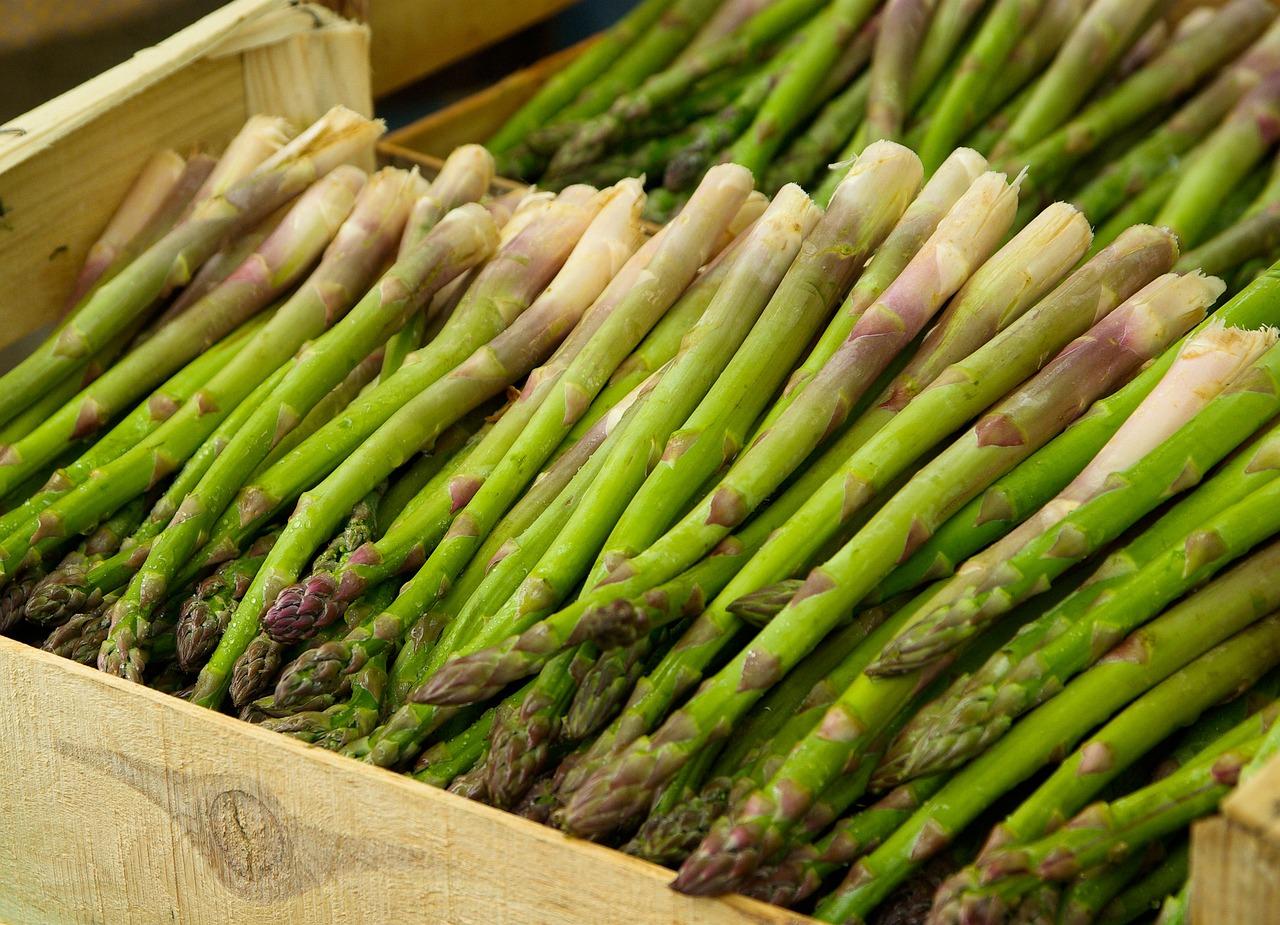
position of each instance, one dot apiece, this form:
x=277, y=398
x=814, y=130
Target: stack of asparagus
x=1133, y=111
x=790, y=547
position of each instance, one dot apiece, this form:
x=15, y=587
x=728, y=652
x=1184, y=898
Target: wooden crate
x=1235, y=857
x=123, y=805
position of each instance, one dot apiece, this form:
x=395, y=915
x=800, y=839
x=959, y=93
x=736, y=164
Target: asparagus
x=958, y=725
x=1233, y=149
x=444, y=253
x=604, y=689
x=596, y=135
x=205, y=614
x=779, y=113
x=810, y=151
x=902, y=30
x=114, y=305
x=71, y=587
x=1133, y=667
x=537, y=246
x=278, y=264
x=135, y=426
x=158, y=178
x=606, y=244
x=957, y=109
x=1103, y=831
x=1023, y=424
x=724, y=193
x=565, y=85
x=1089, y=893
x=464, y=177
x=948, y=27
x=1176, y=70
x=520, y=743
x=1103, y=35
x=1095, y=508
x=443, y=762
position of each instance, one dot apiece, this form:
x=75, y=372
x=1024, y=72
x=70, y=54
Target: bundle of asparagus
x=1133, y=111
x=781, y=547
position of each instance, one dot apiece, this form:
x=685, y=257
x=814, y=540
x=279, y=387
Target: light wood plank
x=140, y=808
x=412, y=38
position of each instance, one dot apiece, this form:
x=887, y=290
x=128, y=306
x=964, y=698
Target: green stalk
x=903, y=24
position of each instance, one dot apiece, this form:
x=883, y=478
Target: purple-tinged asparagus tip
x=617, y=623
x=316, y=672
x=300, y=610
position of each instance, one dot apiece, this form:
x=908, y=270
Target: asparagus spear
x=1150, y=158
x=158, y=178
x=1105, y=33
x=279, y=263
x=604, y=689
x=881, y=332
x=1225, y=158
x=1089, y=893
x=755, y=274
x=539, y=241
x=844, y=579
x=605, y=246
x=779, y=113
x=464, y=177
x=902, y=30
x=1131, y=668
x=1175, y=71
x=596, y=135
x=328, y=143
x=963, y=722
x=1104, y=830
x=205, y=614
x=1139, y=456
x=444, y=253
x=520, y=743
x=1168, y=882
x=565, y=85
x=948, y=27
x=956, y=111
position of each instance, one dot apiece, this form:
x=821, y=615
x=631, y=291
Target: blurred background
x=48, y=47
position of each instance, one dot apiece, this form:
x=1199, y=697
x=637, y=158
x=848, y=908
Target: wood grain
x=140, y=808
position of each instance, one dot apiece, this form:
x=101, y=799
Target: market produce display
x=904, y=552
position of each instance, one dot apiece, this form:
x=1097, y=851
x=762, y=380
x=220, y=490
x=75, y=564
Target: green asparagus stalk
x=1089, y=893
x=813, y=58
x=760, y=469
x=756, y=272
x=1226, y=157
x=1105, y=33
x=113, y=306
x=1175, y=71
x=565, y=85
x=1150, y=158
x=959, y=725
x=206, y=613
x=539, y=241
x=1133, y=667
x=1145, y=451
x=596, y=135
x=465, y=176
x=830, y=130
x=1101, y=832
x=1023, y=422
x=604, y=689
x=902, y=30
x=684, y=248
x=957, y=110
x=279, y=263
x=158, y=178
x=444, y=253
x=948, y=27
x=1168, y=882
x=605, y=246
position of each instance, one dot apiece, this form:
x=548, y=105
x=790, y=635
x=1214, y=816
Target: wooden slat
x=136, y=807
x=478, y=116
x=1235, y=875
x=412, y=38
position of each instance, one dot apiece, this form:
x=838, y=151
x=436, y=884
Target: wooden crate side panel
x=56, y=202
x=1235, y=875
x=412, y=38
x=144, y=809
x=477, y=117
